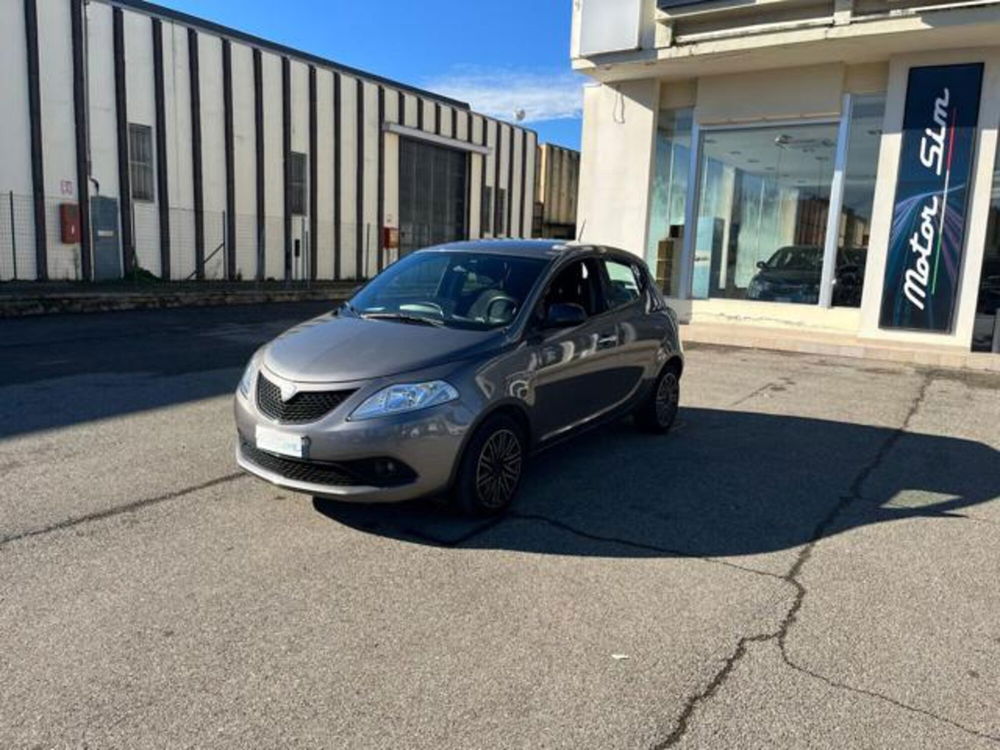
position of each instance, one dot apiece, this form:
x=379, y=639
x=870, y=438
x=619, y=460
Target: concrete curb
x=28, y=305
x=836, y=345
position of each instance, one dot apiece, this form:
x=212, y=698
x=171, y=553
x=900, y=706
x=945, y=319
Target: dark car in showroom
x=448, y=369
x=986, y=328
x=792, y=274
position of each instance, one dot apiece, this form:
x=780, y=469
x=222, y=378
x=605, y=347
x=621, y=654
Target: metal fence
x=17, y=237
x=259, y=253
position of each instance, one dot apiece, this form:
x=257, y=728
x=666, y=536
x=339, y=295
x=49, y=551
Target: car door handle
x=606, y=342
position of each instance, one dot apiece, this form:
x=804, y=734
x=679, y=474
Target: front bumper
x=360, y=493
x=428, y=442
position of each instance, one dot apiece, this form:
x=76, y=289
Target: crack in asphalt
x=780, y=635
x=775, y=386
x=640, y=545
x=119, y=509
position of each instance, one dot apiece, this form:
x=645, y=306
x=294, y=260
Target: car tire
x=491, y=467
x=658, y=411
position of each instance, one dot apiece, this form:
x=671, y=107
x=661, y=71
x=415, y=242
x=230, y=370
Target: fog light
x=385, y=467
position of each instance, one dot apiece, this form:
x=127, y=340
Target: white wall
x=274, y=195
x=245, y=161
x=324, y=175
x=619, y=123
x=516, y=218
x=142, y=111
x=529, y=177
x=391, y=173
x=15, y=133
x=101, y=92
x=503, y=168
x=370, y=229
x=477, y=163
x=59, y=132
x=180, y=170
x=348, y=173
x=213, y=152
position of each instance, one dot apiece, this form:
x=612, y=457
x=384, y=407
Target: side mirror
x=762, y=265
x=564, y=315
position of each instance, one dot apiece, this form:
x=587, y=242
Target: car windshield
x=477, y=291
x=797, y=259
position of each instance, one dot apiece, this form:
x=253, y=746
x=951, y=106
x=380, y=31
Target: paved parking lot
x=812, y=559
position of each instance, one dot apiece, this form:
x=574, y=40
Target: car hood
x=332, y=349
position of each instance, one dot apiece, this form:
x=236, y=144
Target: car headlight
x=405, y=397
x=758, y=287
x=247, y=380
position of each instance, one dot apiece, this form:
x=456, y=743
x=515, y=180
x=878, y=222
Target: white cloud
x=500, y=92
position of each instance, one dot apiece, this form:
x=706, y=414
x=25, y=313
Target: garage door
x=432, y=195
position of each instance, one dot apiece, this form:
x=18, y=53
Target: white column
x=619, y=124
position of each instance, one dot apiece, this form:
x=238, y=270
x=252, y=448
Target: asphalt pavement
x=810, y=559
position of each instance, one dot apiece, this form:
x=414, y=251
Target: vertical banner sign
x=924, y=262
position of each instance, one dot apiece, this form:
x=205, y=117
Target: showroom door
x=432, y=195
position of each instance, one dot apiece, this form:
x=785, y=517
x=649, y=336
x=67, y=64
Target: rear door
x=640, y=334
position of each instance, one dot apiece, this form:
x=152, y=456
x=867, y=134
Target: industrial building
x=557, y=183
x=819, y=166
x=136, y=137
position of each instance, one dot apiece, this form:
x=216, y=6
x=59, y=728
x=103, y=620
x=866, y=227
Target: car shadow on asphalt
x=722, y=483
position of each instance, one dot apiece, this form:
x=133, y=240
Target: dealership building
x=809, y=167
x=137, y=137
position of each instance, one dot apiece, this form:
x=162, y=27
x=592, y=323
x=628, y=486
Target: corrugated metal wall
x=557, y=183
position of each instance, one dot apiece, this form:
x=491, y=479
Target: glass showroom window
x=867, y=113
x=764, y=197
x=986, y=331
x=668, y=198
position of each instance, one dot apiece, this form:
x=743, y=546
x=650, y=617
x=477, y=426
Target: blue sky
x=497, y=56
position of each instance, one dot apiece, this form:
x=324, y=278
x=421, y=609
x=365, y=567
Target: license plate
x=275, y=441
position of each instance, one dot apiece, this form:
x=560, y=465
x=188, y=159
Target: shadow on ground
x=723, y=483
x=62, y=370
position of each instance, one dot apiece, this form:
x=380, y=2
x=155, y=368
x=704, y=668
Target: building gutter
x=440, y=140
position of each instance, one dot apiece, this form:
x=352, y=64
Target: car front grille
x=299, y=471
x=307, y=406
x=363, y=472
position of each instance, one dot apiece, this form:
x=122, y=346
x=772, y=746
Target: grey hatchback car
x=448, y=369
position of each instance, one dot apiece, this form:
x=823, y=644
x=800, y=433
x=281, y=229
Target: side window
x=140, y=161
x=486, y=211
x=500, y=212
x=297, y=177
x=624, y=283
x=576, y=285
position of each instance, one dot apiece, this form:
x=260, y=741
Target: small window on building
x=140, y=160
x=499, y=221
x=297, y=168
x=486, y=211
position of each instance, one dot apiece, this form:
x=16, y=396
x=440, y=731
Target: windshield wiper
x=404, y=318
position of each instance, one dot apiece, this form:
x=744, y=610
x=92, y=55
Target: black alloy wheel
x=491, y=467
x=658, y=413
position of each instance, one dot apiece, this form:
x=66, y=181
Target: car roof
x=542, y=248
